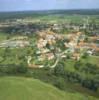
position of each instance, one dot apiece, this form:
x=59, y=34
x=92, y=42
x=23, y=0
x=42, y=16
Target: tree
x=85, y=55
x=77, y=65
x=22, y=68
x=59, y=69
x=90, y=84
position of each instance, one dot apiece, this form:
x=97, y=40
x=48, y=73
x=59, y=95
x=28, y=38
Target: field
x=19, y=88
x=3, y=36
x=91, y=59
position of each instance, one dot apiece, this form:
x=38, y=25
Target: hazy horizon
x=35, y=5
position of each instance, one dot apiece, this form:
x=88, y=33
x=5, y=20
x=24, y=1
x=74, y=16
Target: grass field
x=18, y=88
x=3, y=36
x=91, y=59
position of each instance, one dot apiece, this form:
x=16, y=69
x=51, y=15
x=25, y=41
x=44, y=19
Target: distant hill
x=18, y=88
x=22, y=14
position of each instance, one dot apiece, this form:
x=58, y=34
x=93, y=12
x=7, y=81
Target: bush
x=8, y=69
x=22, y=69
x=60, y=83
x=13, y=69
x=90, y=84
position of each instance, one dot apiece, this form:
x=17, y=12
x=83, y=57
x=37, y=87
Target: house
x=20, y=38
x=44, y=50
x=89, y=52
x=41, y=57
x=41, y=43
x=76, y=56
x=50, y=56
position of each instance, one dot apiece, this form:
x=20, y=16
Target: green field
x=18, y=88
x=91, y=59
x=3, y=36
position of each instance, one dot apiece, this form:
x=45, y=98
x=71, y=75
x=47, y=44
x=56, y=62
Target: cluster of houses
x=76, y=45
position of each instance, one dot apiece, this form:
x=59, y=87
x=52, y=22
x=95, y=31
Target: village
x=51, y=45
x=74, y=44
x=58, y=48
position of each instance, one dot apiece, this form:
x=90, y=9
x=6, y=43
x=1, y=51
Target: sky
x=21, y=5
